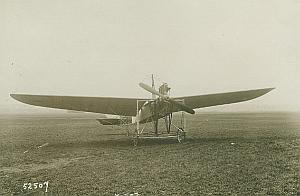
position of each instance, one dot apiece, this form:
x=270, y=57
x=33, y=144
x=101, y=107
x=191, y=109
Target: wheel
x=180, y=135
x=135, y=141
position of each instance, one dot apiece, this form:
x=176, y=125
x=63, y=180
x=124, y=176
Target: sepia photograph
x=140, y=97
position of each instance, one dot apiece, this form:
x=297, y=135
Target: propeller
x=151, y=90
x=178, y=104
x=182, y=106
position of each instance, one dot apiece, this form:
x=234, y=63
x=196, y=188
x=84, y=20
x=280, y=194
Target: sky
x=106, y=47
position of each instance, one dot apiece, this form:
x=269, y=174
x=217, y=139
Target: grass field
x=224, y=154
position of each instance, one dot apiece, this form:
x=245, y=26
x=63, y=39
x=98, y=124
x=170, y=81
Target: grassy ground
x=224, y=154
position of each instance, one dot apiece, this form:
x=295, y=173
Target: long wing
x=201, y=101
x=105, y=105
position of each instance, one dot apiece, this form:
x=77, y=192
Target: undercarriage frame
x=180, y=133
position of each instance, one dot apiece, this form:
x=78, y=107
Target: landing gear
x=177, y=132
x=135, y=140
x=155, y=123
x=180, y=135
x=168, y=121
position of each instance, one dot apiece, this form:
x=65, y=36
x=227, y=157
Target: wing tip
x=270, y=89
x=17, y=97
x=14, y=96
x=20, y=97
x=263, y=91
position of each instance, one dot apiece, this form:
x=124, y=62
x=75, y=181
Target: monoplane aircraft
x=138, y=111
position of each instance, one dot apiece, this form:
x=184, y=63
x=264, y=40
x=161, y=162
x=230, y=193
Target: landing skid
x=180, y=136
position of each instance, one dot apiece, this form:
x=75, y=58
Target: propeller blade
x=178, y=104
x=182, y=106
x=151, y=90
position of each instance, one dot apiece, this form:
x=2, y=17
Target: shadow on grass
x=115, y=143
x=128, y=142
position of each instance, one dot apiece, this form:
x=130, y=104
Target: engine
x=164, y=89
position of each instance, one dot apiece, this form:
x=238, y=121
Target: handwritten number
x=46, y=183
x=25, y=186
x=29, y=186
